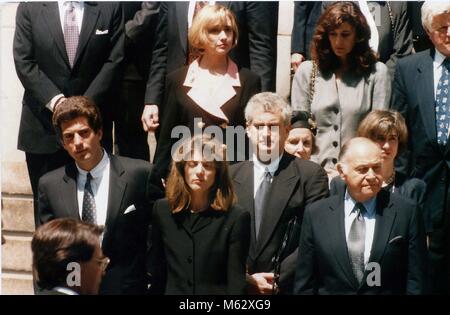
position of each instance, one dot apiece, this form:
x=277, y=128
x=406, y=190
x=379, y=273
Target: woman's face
x=199, y=174
x=342, y=40
x=220, y=39
x=389, y=146
x=300, y=143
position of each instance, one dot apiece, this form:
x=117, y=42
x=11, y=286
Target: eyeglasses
x=103, y=262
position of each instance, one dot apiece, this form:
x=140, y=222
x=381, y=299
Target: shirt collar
x=65, y=290
x=272, y=167
x=230, y=78
x=369, y=204
x=438, y=59
x=97, y=171
x=76, y=4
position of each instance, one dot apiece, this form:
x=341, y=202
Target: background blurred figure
x=342, y=83
x=301, y=141
x=421, y=41
x=421, y=94
x=200, y=224
x=212, y=87
x=67, y=258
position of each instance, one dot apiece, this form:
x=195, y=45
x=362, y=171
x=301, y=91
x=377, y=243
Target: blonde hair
x=211, y=16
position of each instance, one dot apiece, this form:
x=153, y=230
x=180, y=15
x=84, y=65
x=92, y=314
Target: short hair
x=348, y=143
x=211, y=16
x=361, y=59
x=58, y=243
x=221, y=194
x=74, y=107
x=268, y=102
x=378, y=124
x=430, y=9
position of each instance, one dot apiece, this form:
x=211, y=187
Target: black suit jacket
x=43, y=67
x=208, y=258
x=413, y=97
x=125, y=236
x=257, y=24
x=398, y=247
x=295, y=184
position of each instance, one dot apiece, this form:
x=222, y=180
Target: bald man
x=364, y=241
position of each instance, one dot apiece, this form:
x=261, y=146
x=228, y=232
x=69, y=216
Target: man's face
x=267, y=133
x=440, y=33
x=361, y=170
x=81, y=142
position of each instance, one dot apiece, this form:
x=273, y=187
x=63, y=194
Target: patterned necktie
x=71, y=34
x=261, y=198
x=356, y=242
x=443, y=104
x=88, y=213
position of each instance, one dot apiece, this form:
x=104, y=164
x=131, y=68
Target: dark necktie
x=443, y=104
x=88, y=213
x=71, y=32
x=261, y=198
x=356, y=242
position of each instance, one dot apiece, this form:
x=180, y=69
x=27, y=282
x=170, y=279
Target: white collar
x=438, y=59
x=97, y=171
x=272, y=166
x=369, y=204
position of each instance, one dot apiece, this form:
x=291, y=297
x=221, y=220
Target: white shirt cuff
x=51, y=105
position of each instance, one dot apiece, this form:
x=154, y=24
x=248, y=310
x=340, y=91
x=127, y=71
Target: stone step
x=15, y=179
x=15, y=283
x=16, y=252
x=17, y=214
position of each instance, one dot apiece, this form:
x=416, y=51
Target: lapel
x=69, y=191
x=243, y=181
x=117, y=188
x=204, y=220
x=182, y=9
x=90, y=17
x=335, y=225
x=425, y=95
x=51, y=17
x=283, y=183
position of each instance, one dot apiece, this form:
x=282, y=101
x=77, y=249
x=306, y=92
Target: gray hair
x=268, y=102
x=432, y=8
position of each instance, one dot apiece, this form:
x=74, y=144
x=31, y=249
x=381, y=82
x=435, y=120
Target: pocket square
x=100, y=32
x=130, y=209
x=396, y=239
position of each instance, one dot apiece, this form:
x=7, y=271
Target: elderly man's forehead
x=441, y=20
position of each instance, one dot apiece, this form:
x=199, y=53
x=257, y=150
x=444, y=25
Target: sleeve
x=155, y=85
x=109, y=74
x=44, y=213
x=143, y=22
x=33, y=79
x=157, y=262
x=300, y=87
x=316, y=186
x=382, y=87
x=262, y=23
x=238, y=248
x=298, y=37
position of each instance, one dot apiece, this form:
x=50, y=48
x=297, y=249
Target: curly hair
x=361, y=59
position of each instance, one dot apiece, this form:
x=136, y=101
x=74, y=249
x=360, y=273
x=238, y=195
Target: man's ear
x=100, y=133
x=340, y=168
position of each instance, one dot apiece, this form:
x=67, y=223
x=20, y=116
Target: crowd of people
x=344, y=190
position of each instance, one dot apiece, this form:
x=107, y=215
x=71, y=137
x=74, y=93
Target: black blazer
x=411, y=188
x=399, y=247
x=257, y=25
x=413, y=97
x=296, y=184
x=43, y=67
x=207, y=259
x=125, y=236
x=180, y=110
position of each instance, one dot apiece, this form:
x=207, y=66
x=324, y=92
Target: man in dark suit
x=421, y=95
x=101, y=189
x=63, y=49
x=363, y=241
x=256, y=48
x=274, y=187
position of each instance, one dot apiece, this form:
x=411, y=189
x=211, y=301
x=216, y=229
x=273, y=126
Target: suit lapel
x=182, y=10
x=90, y=17
x=50, y=13
x=117, y=188
x=284, y=181
x=69, y=191
x=335, y=225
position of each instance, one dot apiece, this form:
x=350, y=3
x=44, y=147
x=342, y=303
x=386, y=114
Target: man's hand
x=150, y=118
x=260, y=283
x=296, y=60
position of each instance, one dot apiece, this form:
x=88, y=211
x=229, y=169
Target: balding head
x=360, y=167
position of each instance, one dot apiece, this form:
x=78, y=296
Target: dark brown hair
x=221, y=194
x=74, y=107
x=58, y=243
x=361, y=59
x=379, y=124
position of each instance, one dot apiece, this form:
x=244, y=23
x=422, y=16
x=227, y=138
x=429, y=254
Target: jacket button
x=336, y=110
x=335, y=144
x=336, y=127
x=334, y=160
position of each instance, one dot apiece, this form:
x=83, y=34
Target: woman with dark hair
x=342, y=83
x=301, y=141
x=388, y=129
x=200, y=238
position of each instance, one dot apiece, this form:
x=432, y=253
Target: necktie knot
x=446, y=63
x=267, y=176
x=360, y=210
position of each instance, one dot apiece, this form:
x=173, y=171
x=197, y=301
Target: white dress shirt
x=260, y=168
x=437, y=69
x=192, y=9
x=99, y=185
x=369, y=218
